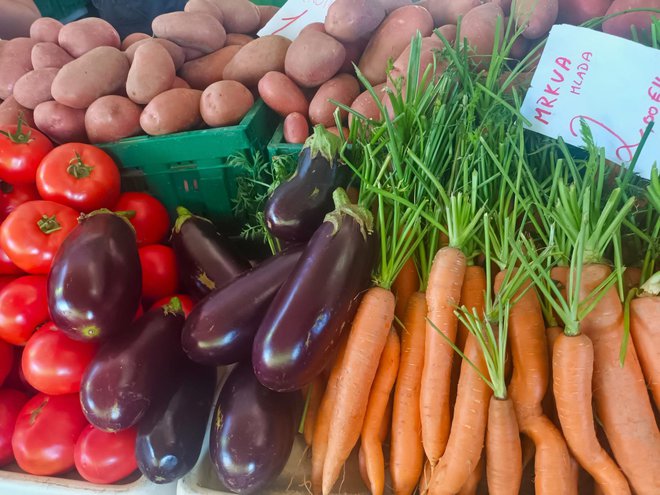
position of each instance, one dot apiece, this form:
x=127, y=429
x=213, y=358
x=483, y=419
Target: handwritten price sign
x=611, y=83
x=294, y=16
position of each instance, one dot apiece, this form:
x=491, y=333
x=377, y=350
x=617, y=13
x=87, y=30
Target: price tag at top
x=610, y=83
x=294, y=16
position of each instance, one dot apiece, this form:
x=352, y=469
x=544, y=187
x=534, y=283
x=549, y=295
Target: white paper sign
x=611, y=83
x=294, y=16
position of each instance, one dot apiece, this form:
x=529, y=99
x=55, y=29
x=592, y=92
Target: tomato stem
x=19, y=137
x=48, y=225
x=78, y=168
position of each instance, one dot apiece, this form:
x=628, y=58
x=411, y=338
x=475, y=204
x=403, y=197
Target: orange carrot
x=503, y=450
x=442, y=297
x=376, y=412
x=472, y=484
x=549, y=406
x=425, y=480
x=407, y=453
x=366, y=342
x=632, y=276
x=316, y=389
x=405, y=285
x=645, y=331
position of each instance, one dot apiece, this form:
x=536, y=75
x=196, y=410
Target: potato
x=49, y=55
x=505, y=5
x=336, y=131
x=225, y=103
x=193, y=53
x=204, y=71
x=15, y=60
x=319, y=27
x=46, y=29
x=152, y=72
x=351, y=20
x=281, y=94
x=478, y=27
x=537, y=16
x=266, y=13
x=191, y=30
x=353, y=53
x=296, y=128
x=10, y=109
x=313, y=58
x=180, y=83
x=175, y=51
x=621, y=24
x=578, y=11
x=392, y=5
x=391, y=38
x=257, y=58
x=449, y=11
x=240, y=16
x=205, y=7
x=111, y=118
x=449, y=31
x=105, y=69
x=34, y=87
x=81, y=36
x=133, y=38
x=238, y=39
x=343, y=88
x=175, y=110
x=365, y=104
x=61, y=123
x=430, y=46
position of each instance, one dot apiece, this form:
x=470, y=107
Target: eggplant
x=95, y=281
x=221, y=328
x=205, y=258
x=297, y=207
x=134, y=370
x=252, y=432
x=171, y=435
x=305, y=320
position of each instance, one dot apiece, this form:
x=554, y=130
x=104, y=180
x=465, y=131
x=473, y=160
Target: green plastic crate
x=277, y=146
x=277, y=3
x=64, y=10
x=190, y=168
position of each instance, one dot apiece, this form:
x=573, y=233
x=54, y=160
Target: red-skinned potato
x=240, y=16
x=336, y=131
x=343, y=88
x=392, y=5
x=79, y=37
x=430, y=45
x=10, y=109
x=34, y=87
x=319, y=27
x=193, y=53
x=449, y=11
x=478, y=27
x=15, y=61
x=152, y=72
x=505, y=5
x=195, y=30
x=175, y=110
x=45, y=29
x=256, y=59
x=266, y=13
x=538, y=16
x=133, y=38
x=296, y=128
x=351, y=20
x=281, y=94
x=60, y=123
x=313, y=58
x=238, y=39
x=578, y=11
x=353, y=53
x=46, y=55
x=225, y=103
x=205, y=7
x=204, y=71
x=621, y=24
x=175, y=51
x=111, y=118
x=366, y=106
x=180, y=83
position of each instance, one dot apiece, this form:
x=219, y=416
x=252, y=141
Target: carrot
x=366, y=342
x=425, y=480
x=468, y=427
x=405, y=284
x=632, y=276
x=549, y=406
x=407, y=453
x=316, y=395
x=622, y=402
x=442, y=296
x=503, y=450
x=376, y=412
x=472, y=484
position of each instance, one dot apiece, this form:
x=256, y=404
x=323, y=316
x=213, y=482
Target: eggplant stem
x=78, y=169
x=48, y=225
x=173, y=307
x=343, y=206
x=183, y=216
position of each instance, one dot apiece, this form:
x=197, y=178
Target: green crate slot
x=276, y=3
x=277, y=146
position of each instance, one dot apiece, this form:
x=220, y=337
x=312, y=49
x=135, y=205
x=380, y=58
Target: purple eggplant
x=252, y=432
x=205, y=257
x=221, y=328
x=297, y=207
x=134, y=370
x=95, y=282
x=305, y=320
x=171, y=435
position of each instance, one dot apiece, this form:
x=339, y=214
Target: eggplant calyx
x=48, y=225
x=78, y=169
x=343, y=206
x=124, y=215
x=323, y=142
x=183, y=215
x=173, y=307
x=18, y=137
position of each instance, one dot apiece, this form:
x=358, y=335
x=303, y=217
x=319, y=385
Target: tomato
x=160, y=277
x=80, y=176
x=21, y=151
x=33, y=233
x=11, y=197
x=54, y=363
x=46, y=432
x=187, y=303
x=16, y=379
x=151, y=220
x=11, y=403
x=6, y=360
x=23, y=308
x=7, y=266
x=102, y=457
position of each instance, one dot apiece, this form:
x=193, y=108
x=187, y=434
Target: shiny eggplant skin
x=252, y=432
x=171, y=435
x=221, y=328
x=95, y=282
x=305, y=320
x=297, y=207
x=205, y=258
x=134, y=370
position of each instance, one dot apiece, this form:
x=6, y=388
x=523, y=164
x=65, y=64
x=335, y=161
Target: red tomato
x=33, y=233
x=151, y=221
x=103, y=457
x=54, y=363
x=80, y=176
x=46, y=432
x=16, y=380
x=7, y=266
x=21, y=151
x=23, y=307
x=11, y=197
x=6, y=360
x=11, y=403
x=187, y=303
x=160, y=277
